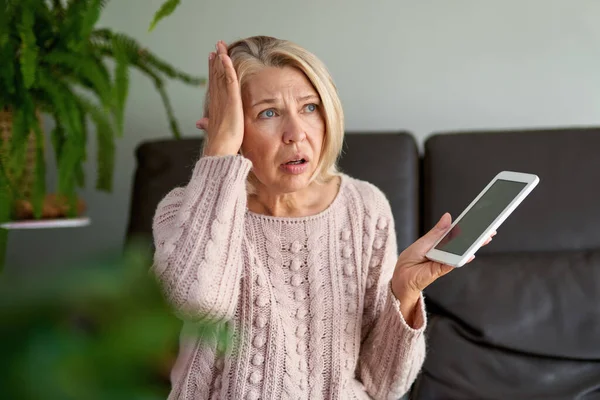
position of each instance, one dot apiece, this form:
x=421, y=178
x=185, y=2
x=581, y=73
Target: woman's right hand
x=224, y=126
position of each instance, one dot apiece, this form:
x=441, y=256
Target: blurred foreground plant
x=96, y=331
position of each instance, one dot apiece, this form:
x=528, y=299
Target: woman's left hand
x=414, y=272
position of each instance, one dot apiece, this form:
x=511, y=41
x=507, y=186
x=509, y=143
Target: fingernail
x=211, y=56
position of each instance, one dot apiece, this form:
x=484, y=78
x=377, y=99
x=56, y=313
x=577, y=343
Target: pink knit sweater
x=309, y=298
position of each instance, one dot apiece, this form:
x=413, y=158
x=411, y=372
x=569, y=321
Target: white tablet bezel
x=455, y=260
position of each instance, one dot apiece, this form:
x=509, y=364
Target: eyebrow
x=274, y=101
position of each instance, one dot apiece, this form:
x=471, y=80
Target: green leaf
x=64, y=102
x=29, y=49
x=169, y=70
x=71, y=154
x=170, y=114
x=58, y=10
x=164, y=11
x=136, y=53
x=105, y=145
x=86, y=71
x=72, y=151
x=80, y=175
x=6, y=203
x=106, y=43
x=80, y=18
x=6, y=193
x=7, y=71
x=5, y=212
x=39, y=183
x=4, y=17
x=121, y=86
x=90, y=17
x=105, y=156
x=57, y=5
x=18, y=142
x=159, y=85
x=57, y=136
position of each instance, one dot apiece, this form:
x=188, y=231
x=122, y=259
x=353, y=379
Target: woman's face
x=283, y=128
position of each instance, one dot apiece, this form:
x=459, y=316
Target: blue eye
x=311, y=107
x=267, y=114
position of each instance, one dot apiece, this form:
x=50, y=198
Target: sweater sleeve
x=198, y=231
x=392, y=352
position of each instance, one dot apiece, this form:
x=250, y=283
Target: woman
x=300, y=258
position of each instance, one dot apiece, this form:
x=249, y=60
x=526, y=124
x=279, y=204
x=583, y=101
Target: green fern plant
x=55, y=61
x=164, y=11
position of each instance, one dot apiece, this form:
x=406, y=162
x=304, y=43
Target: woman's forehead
x=273, y=82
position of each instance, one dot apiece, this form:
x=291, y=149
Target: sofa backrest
x=390, y=160
x=562, y=213
x=522, y=320
x=162, y=165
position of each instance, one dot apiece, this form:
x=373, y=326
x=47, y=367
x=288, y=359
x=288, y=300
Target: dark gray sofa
x=522, y=321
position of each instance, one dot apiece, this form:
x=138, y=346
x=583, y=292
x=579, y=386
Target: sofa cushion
x=522, y=320
x=461, y=365
x=544, y=304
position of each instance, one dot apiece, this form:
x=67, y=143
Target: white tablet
x=482, y=217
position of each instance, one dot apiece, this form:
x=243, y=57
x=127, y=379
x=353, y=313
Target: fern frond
x=71, y=153
x=169, y=70
x=4, y=17
x=18, y=141
x=7, y=73
x=62, y=99
x=90, y=17
x=6, y=204
x=57, y=137
x=101, y=35
x=105, y=155
x=164, y=11
x=138, y=58
x=105, y=144
x=58, y=5
x=170, y=114
x=80, y=174
x=29, y=49
x=137, y=53
x=80, y=18
x=72, y=150
x=159, y=85
x=121, y=86
x=39, y=184
x=83, y=70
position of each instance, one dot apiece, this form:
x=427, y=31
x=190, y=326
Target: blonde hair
x=252, y=54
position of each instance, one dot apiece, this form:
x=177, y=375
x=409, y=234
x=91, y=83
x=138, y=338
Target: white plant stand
x=47, y=223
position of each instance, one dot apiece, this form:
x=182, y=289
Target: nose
x=294, y=131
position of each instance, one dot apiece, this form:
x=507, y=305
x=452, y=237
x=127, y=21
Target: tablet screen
x=480, y=216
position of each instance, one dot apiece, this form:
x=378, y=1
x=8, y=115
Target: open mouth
x=296, y=162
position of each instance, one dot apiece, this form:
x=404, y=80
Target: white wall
x=422, y=66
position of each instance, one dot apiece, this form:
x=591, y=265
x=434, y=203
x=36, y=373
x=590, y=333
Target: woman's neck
x=310, y=201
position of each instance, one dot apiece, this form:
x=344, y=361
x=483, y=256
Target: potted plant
x=55, y=63
x=99, y=329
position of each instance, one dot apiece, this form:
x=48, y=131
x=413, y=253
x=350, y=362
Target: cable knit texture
x=309, y=298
